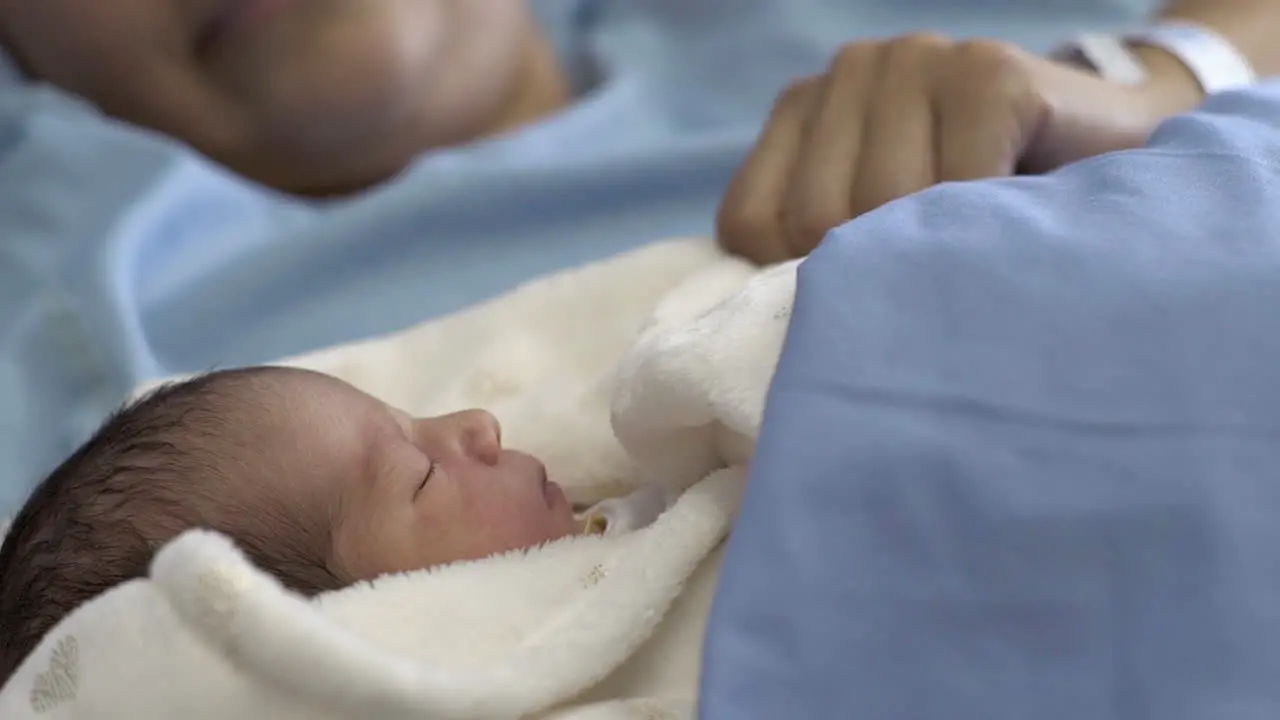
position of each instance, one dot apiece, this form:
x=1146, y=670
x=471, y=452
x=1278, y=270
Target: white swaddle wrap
x=588, y=627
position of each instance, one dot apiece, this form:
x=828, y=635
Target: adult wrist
x=1170, y=66
x=1170, y=86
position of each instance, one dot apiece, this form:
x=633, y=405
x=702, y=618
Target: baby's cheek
x=548, y=526
x=521, y=530
x=385, y=545
x=491, y=519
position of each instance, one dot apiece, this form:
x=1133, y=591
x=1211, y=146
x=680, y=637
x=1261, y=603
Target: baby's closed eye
x=426, y=478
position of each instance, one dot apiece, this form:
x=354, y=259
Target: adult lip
x=232, y=14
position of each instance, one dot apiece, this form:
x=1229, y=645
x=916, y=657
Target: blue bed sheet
x=1021, y=458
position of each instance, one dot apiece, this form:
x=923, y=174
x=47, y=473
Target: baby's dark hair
x=156, y=468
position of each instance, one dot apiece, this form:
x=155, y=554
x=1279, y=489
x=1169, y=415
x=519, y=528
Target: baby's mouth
x=552, y=492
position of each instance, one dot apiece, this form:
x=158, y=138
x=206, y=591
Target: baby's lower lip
x=553, y=493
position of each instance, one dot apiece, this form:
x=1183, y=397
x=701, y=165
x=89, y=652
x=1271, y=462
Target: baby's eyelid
x=426, y=476
x=403, y=420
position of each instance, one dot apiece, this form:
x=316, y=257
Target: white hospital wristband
x=1215, y=63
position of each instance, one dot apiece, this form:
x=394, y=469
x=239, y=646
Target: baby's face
x=307, y=95
x=406, y=493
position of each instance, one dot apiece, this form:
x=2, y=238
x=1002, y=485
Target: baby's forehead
x=303, y=395
x=311, y=397
x=311, y=422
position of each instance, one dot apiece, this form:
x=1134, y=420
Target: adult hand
x=892, y=117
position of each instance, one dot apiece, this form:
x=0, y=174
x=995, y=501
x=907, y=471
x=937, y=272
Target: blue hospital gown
x=124, y=257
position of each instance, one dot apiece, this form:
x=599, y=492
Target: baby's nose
x=481, y=435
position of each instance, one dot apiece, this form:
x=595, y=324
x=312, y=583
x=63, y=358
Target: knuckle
x=987, y=71
x=797, y=92
x=910, y=51
x=922, y=41
x=852, y=55
x=989, y=57
x=918, y=50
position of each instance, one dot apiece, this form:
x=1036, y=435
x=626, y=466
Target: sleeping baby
x=164, y=545
x=318, y=483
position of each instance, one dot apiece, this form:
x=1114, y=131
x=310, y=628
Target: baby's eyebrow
x=374, y=439
x=378, y=437
x=403, y=419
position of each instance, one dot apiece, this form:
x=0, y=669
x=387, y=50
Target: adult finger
x=988, y=109
x=749, y=221
x=817, y=196
x=898, y=151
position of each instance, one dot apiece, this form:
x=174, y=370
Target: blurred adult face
x=304, y=95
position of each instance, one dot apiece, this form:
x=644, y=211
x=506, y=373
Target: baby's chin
x=562, y=510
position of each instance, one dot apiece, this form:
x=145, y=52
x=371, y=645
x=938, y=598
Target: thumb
x=1086, y=116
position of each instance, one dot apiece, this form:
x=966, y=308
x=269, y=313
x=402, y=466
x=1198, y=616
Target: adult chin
x=327, y=91
x=340, y=100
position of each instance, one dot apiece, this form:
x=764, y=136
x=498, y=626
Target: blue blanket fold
x=1021, y=458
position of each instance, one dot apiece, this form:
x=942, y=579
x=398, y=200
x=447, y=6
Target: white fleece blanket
x=531, y=634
